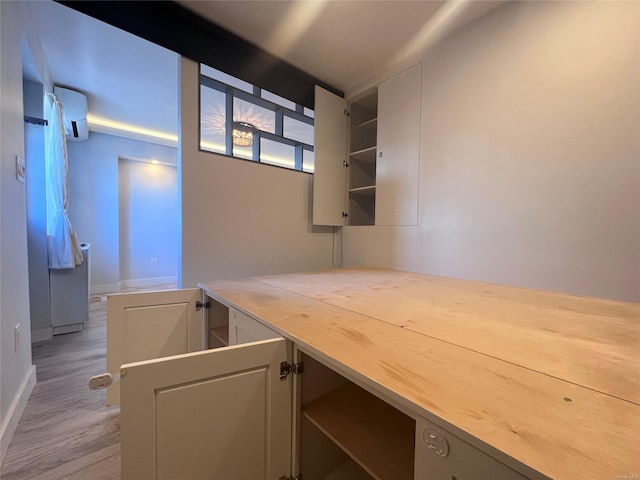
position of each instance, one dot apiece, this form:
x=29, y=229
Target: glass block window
x=243, y=121
x=212, y=120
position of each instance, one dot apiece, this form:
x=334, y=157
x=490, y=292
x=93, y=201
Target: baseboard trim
x=14, y=414
x=41, y=334
x=146, y=282
x=108, y=288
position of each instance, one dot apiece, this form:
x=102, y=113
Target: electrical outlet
x=16, y=338
x=154, y=261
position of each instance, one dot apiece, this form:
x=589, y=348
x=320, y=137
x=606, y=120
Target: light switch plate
x=20, y=168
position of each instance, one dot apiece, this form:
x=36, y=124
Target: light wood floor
x=66, y=431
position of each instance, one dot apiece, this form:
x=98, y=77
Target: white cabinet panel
x=397, y=168
x=221, y=413
x=225, y=418
x=443, y=456
x=244, y=329
x=329, y=178
x=142, y=326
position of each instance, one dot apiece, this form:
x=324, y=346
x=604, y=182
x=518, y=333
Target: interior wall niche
x=148, y=222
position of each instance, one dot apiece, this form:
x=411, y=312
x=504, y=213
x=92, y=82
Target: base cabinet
x=144, y=326
x=221, y=413
x=263, y=408
x=344, y=432
x=441, y=455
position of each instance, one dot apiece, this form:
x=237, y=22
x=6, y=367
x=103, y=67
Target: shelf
x=370, y=126
x=365, y=155
x=221, y=333
x=364, y=108
x=348, y=471
x=366, y=191
x=375, y=435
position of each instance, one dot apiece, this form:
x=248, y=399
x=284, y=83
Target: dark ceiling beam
x=176, y=28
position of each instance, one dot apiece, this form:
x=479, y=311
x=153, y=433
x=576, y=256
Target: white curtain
x=64, y=247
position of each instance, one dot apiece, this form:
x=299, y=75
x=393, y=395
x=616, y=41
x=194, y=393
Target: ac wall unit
x=74, y=105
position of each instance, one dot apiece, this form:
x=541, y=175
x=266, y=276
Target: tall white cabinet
x=368, y=154
x=398, y=161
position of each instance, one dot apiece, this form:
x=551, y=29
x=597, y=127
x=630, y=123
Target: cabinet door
x=142, y=326
x=217, y=414
x=397, y=168
x=244, y=329
x=329, y=178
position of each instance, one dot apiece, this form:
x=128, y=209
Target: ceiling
x=342, y=42
x=126, y=79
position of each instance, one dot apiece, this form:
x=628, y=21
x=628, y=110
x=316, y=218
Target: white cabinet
x=329, y=180
x=398, y=162
x=262, y=408
x=344, y=432
x=246, y=411
x=373, y=177
x=363, y=127
x=221, y=413
x=143, y=326
x=244, y=329
x=442, y=455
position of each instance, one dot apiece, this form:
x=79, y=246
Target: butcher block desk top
x=549, y=379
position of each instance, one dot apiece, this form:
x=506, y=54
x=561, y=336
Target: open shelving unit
x=221, y=334
x=362, y=159
x=348, y=471
x=361, y=436
x=375, y=435
x=217, y=325
x=368, y=190
x=365, y=155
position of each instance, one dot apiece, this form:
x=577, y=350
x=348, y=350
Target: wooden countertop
x=551, y=380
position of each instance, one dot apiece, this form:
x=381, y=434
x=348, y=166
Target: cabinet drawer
x=244, y=329
x=461, y=461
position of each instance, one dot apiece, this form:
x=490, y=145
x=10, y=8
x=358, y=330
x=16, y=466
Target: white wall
x=93, y=198
x=17, y=374
x=530, y=154
x=241, y=218
x=148, y=206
